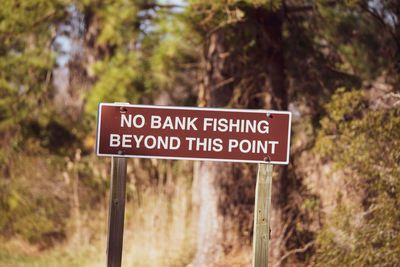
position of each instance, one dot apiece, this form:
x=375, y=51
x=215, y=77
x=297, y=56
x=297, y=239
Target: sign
x=236, y=135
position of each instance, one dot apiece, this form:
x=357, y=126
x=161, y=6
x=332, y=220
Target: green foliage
x=372, y=135
x=26, y=63
x=146, y=53
x=211, y=15
x=365, y=144
x=357, y=32
x=118, y=77
x=176, y=46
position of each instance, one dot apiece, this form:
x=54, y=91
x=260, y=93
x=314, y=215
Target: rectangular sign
x=217, y=134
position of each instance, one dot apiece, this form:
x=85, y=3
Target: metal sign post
x=116, y=212
x=262, y=215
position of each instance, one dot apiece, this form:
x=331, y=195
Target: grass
x=17, y=253
x=159, y=230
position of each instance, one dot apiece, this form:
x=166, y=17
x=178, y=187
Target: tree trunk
x=237, y=76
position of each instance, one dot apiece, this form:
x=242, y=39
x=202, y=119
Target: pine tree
x=251, y=51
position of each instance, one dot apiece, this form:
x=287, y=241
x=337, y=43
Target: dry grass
x=160, y=231
x=159, y=228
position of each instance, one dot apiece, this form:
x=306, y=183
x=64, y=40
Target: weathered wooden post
x=262, y=215
x=116, y=212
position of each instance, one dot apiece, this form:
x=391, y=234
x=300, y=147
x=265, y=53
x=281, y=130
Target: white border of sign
x=192, y=108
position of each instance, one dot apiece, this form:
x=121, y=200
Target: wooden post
x=116, y=212
x=262, y=214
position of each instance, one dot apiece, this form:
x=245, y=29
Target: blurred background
x=334, y=64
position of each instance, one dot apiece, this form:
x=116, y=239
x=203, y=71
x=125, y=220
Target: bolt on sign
x=216, y=134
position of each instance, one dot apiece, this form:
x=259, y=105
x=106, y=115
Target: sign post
x=215, y=134
x=116, y=212
x=262, y=215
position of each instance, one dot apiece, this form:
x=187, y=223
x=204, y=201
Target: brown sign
x=126, y=130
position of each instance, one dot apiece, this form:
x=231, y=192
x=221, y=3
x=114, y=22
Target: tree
x=267, y=54
x=243, y=68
